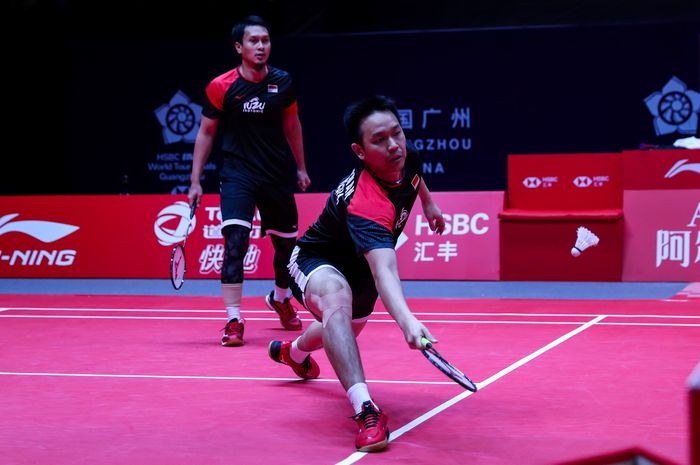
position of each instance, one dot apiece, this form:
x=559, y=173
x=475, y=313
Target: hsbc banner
x=661, y=169
x=662, y=235
x=578, y=181
x=131, y=236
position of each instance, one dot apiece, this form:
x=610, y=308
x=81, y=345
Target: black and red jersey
x=250, y=115
x=363, y=213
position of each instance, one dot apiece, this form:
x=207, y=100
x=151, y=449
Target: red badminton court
x=99, y=379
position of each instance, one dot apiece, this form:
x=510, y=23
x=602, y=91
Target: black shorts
x=304, y=263
x=241, y=193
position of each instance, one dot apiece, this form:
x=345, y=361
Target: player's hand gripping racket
x=445, y=366
x=177, y=258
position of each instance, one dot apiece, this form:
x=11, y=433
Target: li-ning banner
x=132, y=236
x=661, y=169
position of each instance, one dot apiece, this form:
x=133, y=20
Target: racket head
x=177, y=266
x=446, y=367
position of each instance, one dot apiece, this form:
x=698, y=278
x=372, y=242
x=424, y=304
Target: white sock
x=358, y=394
x=281, y=294
x=233, y=312
x=296, y=353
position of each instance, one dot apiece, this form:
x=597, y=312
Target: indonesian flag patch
x=415, y=182
x=272, y=88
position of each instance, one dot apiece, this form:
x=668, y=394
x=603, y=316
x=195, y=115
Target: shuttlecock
x=584, y=239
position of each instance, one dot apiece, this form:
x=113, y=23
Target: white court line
x=225, y=378
x=477, y=322
x=144, y=310
x=161, y=310
x=352, y=458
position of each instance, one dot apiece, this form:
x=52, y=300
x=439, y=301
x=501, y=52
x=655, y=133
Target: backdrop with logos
x=127, y=111
x=131, y=236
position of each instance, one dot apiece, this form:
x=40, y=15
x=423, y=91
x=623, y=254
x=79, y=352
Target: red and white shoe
x=373, y=435
x=285, y=310
x=233, y=333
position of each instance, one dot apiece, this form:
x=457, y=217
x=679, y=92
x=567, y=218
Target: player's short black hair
x=357, y=111
x=239, y=29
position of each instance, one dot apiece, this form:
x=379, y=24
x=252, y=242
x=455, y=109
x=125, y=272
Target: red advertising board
x=132, y=236
x=661, y=169
x=565, y=182
x=662, y=235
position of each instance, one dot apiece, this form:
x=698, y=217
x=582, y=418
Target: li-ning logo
x=681, y=166
x=45, y=231
x=532, y=182
x=674, y=108
x=177, y=214
x=582, y=181
x=180, y=119
x=254, y=105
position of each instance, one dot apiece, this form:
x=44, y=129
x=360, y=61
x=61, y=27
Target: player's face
x=255, y=48
x=383, y=148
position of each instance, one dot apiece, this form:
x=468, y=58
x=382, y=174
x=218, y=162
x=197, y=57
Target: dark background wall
x=86, y=78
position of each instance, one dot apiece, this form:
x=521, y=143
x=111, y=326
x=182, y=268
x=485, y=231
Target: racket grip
x=426, y=343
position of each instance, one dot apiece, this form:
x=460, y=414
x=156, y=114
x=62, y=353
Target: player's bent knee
x=236, y=239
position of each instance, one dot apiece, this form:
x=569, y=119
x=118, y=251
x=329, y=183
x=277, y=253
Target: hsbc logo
x=532, y=182
x=582, y=181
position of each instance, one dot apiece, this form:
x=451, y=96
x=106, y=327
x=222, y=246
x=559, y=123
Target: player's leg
x=237, y=208
x=297, y=354
x=279, y=220
x=328, y=293
x=236, y=239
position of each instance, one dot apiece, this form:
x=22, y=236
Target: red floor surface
x=142, y=380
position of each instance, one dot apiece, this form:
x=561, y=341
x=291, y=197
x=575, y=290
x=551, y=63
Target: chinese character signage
x=662, y=235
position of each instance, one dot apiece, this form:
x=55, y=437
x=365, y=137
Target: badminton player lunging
x=347, y=258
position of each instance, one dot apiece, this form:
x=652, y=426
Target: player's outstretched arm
x=431, y=210
x=382, y=262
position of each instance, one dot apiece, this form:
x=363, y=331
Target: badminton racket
x=446, y=367
x=178, y=265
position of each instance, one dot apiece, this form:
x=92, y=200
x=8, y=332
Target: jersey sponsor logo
x=682, y=165
x=254, y=105
x=172, y=222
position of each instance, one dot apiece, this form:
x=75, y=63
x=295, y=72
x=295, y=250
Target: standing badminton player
x=255, y=107
x=346, y=260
